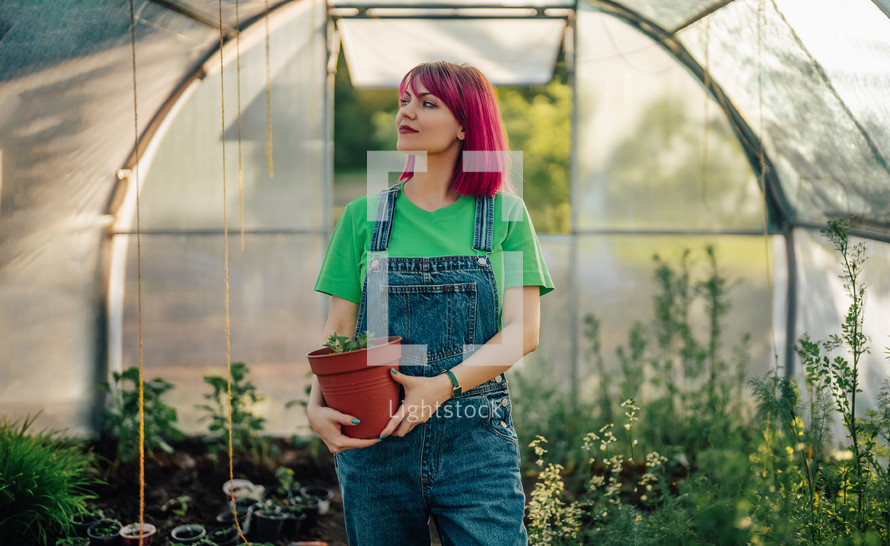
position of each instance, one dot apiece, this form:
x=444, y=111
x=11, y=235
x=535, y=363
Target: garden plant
x=698, y=453
x=119, y=421
x=240, y=395
x=45, y=482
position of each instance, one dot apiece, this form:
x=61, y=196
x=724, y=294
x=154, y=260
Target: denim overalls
x=462, y=465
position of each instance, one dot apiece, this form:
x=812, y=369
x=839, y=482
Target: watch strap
x=456, y=388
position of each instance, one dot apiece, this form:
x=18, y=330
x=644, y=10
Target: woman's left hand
x=423, y=396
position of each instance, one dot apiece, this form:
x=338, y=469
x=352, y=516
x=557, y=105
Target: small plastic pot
x=83, y=521
x=322, y=493
x=227, y=519
x=132, y=536
x=293, y=522
x=240, y=488
x=189, y=533
x=311, y=507
x=277, y=494
x=244, y=504
x=267, y=525
x=223, y=536
x=104, y=532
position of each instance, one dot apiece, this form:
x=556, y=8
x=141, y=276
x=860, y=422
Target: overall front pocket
x=437, y=321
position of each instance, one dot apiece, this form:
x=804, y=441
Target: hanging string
x=238, y=82
x=762, y=159
x=222, y=89
x=268, y=102
x=138, y=278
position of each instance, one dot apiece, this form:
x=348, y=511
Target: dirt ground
x=190, y=472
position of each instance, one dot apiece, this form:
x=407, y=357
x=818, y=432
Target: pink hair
x=473, y=101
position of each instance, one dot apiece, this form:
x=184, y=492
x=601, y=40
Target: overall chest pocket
x=440, y=316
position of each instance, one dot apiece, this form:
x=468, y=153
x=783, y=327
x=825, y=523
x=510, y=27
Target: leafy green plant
x=845, y=492
x=342, y=344
x=241, y=396
x=44, y=482
x=727, y=475
x=285, y=477
x=178, y=506
x=840, y=376
x=120, y=418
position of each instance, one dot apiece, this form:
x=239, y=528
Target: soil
x=190, y=472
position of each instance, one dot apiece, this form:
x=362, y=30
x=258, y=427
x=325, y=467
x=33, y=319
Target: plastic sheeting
x=657, y=170
x=507, y=51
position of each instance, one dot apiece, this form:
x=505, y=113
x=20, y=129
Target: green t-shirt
x=445, y=232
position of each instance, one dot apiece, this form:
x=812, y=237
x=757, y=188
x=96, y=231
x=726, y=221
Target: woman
x=430, y=266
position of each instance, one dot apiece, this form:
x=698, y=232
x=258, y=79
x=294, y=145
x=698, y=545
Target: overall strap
x=386, y=206
x=484, y=229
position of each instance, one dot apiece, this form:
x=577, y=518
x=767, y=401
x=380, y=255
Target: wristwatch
x=456, y=389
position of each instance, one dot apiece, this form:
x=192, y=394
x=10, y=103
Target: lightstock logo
x=507, y=265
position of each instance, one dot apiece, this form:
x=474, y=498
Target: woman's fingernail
x=382, y=436
x=355, y=421
x=393, y=370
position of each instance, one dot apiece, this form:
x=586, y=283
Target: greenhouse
x=708, y=181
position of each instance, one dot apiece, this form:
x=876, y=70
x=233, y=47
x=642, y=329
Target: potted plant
x=243, y=505
x=310, y=507
x=294, y=520
x=189, y=533
x=269, y=521
x=136, y=535
x=104, y=532
x=356, y=379
x=226, y=535
x=226, y=518
x=322, y=493
x=83, y=520
x=277, y=494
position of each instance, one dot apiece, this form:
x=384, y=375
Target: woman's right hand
x=326, y=422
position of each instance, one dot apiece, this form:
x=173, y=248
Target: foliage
x=537, y=120
x=120, y=420
x=551, y=521
x=44, y=482
x=838, y=496
x=689, y=385
x=668, y=471
x=690, y=461
x=285, y=477
x=235, y=398
x=342, y=344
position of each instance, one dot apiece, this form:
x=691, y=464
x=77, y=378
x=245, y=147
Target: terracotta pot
x=360, y=383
